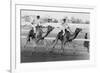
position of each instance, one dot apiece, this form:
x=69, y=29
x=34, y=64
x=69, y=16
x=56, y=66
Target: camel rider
x=65, y=25
x=36, y=25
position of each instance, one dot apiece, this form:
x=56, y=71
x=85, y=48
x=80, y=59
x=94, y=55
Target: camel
x=31, y=35
x=39, y=35
x=49, y=29
x=70, y=37
x=67, y=37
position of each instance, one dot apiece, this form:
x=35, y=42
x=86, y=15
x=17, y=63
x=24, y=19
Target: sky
x=57, y=15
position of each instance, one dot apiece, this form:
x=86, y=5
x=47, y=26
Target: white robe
x=37, y=22
x=65, y=26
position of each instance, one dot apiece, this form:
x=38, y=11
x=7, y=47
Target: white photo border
x=15, y=46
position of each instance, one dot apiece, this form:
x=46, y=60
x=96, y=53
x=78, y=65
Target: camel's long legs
x=55, y=42
x=34, y=43
x=88, y=50
x=62, y=45
x=27, y=40
x=26, y=44
x=45, y=42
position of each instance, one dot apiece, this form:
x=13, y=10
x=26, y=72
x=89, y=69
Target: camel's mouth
x=52, y=28
x=81, y=30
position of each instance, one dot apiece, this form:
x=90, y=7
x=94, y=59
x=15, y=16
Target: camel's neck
x=46, y=34
x=74, y=35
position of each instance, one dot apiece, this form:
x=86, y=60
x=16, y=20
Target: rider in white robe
x=35, y=23
x=65, y=25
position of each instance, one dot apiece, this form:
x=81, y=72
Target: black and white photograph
x=48, y=35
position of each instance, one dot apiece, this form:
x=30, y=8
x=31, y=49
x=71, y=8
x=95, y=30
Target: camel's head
x=61, y=32
x=78, y=30
x=50, y=28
